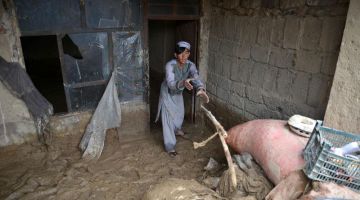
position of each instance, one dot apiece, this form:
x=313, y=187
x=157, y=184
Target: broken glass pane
x=112, y=13
x=94, y=65
x=85, y=98
x=49, y=15
x=128, y=64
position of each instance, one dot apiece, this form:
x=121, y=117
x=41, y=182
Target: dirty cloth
x=251, y=180
x=107, y=115
x=15, y=78
x=171, y=102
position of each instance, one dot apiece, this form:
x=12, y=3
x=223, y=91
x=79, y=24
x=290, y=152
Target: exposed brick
x=254, y=94
x=229, y=27
x=251, y=3
x=212, y=62
x=249, y=31
x=328, y=64
x=237, y=101
x=223, y=83
x=260, y=54
x=228, y=62
x=242, y=51
x=311, y=35
x=270, y=79
x=240, y=26
x=331, y=35
x=254, y=108
x=210, y=88
x=218, y=64
x=273, y=103
x=291, y=32
x=238, y=89
x=214, y=44
x=319, y=90
x=227, y=47
x=248, y=116
x=264, y=31
x=320, y=2
x=277, y=35
x=283, y=58
x=284, y=81
x=223, y=94
x=286, y=4
x=299, y=88
x=257, y=75
x=242, y=71
x=307, y=61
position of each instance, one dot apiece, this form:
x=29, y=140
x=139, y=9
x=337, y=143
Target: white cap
x=184, y=44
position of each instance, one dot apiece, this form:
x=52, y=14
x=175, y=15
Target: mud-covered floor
x=126, y=169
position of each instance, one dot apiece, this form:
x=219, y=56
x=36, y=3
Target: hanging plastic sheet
x=126, y=81
x=15, y=78
x=107, y=115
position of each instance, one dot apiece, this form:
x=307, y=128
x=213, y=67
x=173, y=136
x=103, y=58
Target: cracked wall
x=273, y=59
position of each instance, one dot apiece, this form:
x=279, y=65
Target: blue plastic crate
x=323, y=165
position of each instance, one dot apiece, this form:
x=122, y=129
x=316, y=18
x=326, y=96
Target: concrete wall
x=16, y=124
x=343, y=111
x=272, y=59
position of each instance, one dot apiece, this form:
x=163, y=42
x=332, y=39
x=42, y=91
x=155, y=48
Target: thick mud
x=127, y=168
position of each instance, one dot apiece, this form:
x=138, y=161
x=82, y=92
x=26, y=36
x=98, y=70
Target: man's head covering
x=184, y=44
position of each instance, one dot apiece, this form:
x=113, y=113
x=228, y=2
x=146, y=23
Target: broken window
x=112, y=13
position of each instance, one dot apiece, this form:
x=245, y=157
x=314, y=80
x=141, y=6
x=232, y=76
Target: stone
x=251, y=3
x=210, y=88
x=254, y=108
x=299, y=88
x=328, y=64
x=283, y=58
x=319, y=90
x=240, y=24
x=249, y=31
x=214, y=44
x=223, y=94
x=242, y=51
x=241, y=71
x=270, y=78
x=254, y=94
x=264, y=31
x=331, y=35
x=228, y=62
x=257, y=75
x=308, y=61
x=291, y=32
x=277, y=36
x=260, y=54
x=320, y=2
x=227, y=47
x=238, y=89
x=311, y=33
x=237, y=101
x=286, y=4
x=284, y=81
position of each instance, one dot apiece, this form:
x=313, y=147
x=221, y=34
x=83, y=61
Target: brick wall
x=272, y=59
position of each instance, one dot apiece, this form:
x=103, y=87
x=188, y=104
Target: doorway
x=163, y=36
x=42, y=64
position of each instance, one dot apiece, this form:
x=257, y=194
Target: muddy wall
x=273, y=59
x=343, y=110
x=16, y=124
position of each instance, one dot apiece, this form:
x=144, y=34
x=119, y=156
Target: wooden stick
x=222, y=134
x=203, y=143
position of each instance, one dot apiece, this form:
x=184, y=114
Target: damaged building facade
x=259, y=59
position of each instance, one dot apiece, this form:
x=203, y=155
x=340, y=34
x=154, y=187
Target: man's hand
x=188, y=84
x=203, y=95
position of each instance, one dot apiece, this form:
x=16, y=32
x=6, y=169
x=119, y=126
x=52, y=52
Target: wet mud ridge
x=126, y=169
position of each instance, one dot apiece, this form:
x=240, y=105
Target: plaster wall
x=16, y=124
x=272, y=59
x=343, y=110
